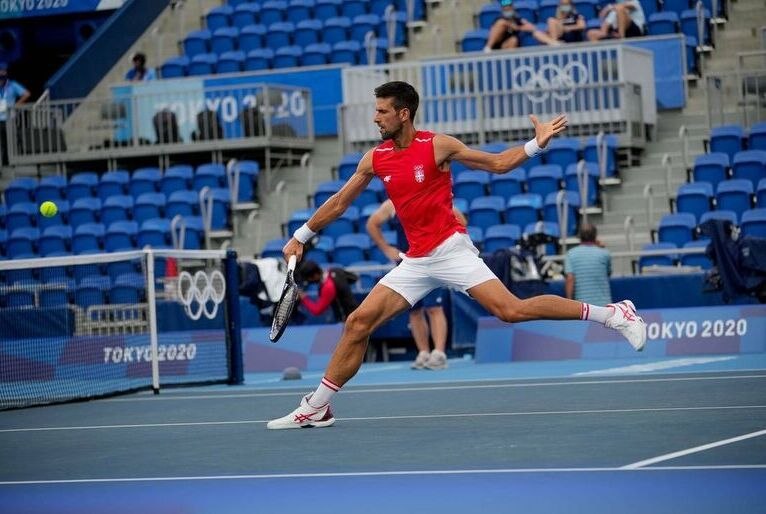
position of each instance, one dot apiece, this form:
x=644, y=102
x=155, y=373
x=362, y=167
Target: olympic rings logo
x=550, y=80
x=201, y=294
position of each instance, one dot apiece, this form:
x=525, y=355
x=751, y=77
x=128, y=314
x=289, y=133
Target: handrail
x=562, y=215
x=179, y=239
x=649, y=195
x=667, y=162
x=307, y=168
x=601, y=153
x=281, y=189
x=683, y=135
x=206, y=210
x=630, y=232
x=583, y=183
x=369, y=45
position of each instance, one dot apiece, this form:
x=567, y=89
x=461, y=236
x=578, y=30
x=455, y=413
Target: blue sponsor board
x=30, y=8
x=670, y=332
x=669, y=68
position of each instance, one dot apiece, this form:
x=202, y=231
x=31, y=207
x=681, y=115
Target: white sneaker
x=626, y=321
x=437, y=360
x=420, y=360
x=305, y=416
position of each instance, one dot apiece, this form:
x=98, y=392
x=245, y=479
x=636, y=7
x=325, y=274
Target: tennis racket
x=286, y=304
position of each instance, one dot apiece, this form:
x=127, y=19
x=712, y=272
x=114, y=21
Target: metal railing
x=738, y=96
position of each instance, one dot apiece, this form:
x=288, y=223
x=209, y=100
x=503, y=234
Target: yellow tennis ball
x=48, y=209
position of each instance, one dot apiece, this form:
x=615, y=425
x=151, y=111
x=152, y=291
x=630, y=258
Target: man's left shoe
x=627, y=322
x=305, y=416
x=437, y=360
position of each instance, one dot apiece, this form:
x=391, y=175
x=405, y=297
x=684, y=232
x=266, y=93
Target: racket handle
x=291, y=263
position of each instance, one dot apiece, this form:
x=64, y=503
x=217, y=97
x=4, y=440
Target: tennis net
x=76, y=327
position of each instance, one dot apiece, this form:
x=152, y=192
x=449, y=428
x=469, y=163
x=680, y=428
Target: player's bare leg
x=419, y=329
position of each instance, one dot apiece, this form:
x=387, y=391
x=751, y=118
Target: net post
x=233, y=326
x=152, y=300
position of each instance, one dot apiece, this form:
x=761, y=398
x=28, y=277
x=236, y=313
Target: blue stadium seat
x=148, y=206
x=336, y=30
x=307, y=32
x=562, y=151
x=154, y=232
x=571, y=182
x=351, y=248
x=527, y=9
x=347, y=223
x=590, y=153
x=231, y=62
x=22, y=241
x=550, y=209
x=57, y=297
x=54, y=274
x=675, y=6
x=299, y=10
x=347, y=165
x=488, y=13
x=362, y=24
x=248, y=181
x=88, y=238
x=21, y=215
x=545, y=179
x=696, y=259
x=245, y=14
x=351, y=8
x=689, y=25
x=21, y=276
x=379, y=6
x=734, y=195
x=750, y=165
x=273, y=11
x=754, y=223
x=197, y=42
x=175, y=67
x=665, y=22
x=61, y=216
x=203, y=64
x=224, y=39
x=316, y=54
x=589, y=8
x=89, y=294
x=399, y=21
x=667, y=259
x=677, y=228
x=273, y=248
x=345, y=52
x=372, y=194
x=251, y=37
x=486, y=211
x=477, y=236
x=723, y=215
x=113, y=183
x=523, y=209
x=121, y=235
x=176, y=178
x=325, y=190
x=474, y=40
x=366, y=212
x=20, y=299
x=649, y=7
x=471, y=184
x=194, y=234
x=219, y=17
x=279, y=35
x=726, y=139
x=144, y=180
x=692, y=63
x=221, y=209
x=547, y=9
x=3, y=240
x=81, y=271
x=55, y=240
x=508, y=184
x=116, y=208
x=501, y=236
x=711, y=168
x=126, y=293
x=211, y=175
x=182, y=203
x=695, y=198
x=368, y=279
x=325, y=9
x=298, y=218
x=81, y=185
x=287, y=57
x=760, y=194
x=322, y=250
x=84, y=210
x=20, y=190
x=51, y=188
x=378, y=47
x=758, y=136
x=259, y=59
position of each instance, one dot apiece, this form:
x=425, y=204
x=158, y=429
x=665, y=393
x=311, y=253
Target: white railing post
x=668, y=165
x=649, y=195
x=683, y=135
x=562, y=214
x=583, y=183
x=307, y=168
x=630, y=232
x=206, y=211
x=601, y=152
x=369, y=45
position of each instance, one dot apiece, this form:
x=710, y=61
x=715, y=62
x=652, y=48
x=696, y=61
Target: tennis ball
x=48, y=209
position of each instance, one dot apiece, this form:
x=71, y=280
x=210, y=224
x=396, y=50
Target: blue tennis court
x=678, y=435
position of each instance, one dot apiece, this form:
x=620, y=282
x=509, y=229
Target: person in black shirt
x=506, y=31
x=567, y=26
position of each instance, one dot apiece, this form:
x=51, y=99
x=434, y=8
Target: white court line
x=354, y=390
x=384, y=418
x=650, y=367
x=321, y=374
x=384, y=473
x=696, y=449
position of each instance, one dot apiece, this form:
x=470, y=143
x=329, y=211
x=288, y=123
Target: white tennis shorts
x=455, y=263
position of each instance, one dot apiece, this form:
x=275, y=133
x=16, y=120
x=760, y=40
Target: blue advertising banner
x=30, y=8
x=307, y=348
x=670, y=332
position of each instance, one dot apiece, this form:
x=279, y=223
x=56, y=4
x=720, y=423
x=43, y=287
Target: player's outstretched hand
x=293, y=247
x=545, y=131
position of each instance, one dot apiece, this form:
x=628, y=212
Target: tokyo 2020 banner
x=30, y=8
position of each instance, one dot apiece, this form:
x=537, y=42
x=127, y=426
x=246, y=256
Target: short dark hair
x=138, y=56
x=404, y=95
x=308, y=268
x=588, y=233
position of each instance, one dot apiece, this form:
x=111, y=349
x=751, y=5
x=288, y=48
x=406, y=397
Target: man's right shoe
x=420, y=360
x=305, y=416
x=627, y=322
x=437, y=360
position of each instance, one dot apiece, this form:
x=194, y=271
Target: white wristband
x=304, y=233
x=531, y=148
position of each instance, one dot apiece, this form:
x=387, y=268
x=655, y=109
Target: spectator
x=506, y=31
x=588, y=267
x=11, y=94
x=334, y=290
x=620, y=20
x=567, y=25
x=139, y=72
x=432, y=304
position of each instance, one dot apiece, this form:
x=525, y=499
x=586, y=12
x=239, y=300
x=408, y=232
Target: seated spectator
x=620, y=20
x=139, y=72
x=334, y=290
x=506, y=31
x=567, y=26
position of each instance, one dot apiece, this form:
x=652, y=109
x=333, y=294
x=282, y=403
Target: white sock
x=324, y=392
x=595, y=313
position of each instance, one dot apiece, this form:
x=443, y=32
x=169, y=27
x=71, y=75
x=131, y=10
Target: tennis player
x=414, y=168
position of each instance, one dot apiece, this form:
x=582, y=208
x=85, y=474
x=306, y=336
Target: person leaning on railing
x=11, y=93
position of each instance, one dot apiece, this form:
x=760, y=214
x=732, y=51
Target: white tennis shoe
x=420, y=360
x=627, y=322
x=305, y=416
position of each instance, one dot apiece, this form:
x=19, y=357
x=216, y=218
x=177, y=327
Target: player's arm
x=374, y=223
x=448, y=148
x=332, y=208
